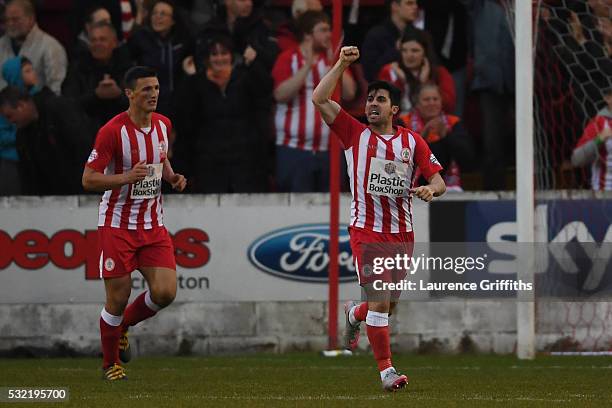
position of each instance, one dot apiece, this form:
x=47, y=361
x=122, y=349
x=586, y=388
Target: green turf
x=306, y=379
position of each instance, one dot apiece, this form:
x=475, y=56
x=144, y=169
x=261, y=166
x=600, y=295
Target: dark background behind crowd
x=235, y=78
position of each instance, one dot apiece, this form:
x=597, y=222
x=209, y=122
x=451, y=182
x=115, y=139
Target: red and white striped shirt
x=120, y=144
x=601, y=169
x=382, y=171
x=298, y=124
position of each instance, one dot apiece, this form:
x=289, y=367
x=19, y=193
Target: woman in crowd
x=418, y=65
x=217, y=139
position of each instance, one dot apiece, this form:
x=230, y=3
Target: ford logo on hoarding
x=300, y=253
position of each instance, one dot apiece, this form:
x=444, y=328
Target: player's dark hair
x=135, y=73
x=306, y=22
x=394, y=93
x=12, y=95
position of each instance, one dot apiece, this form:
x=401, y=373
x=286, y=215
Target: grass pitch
x=309, y=380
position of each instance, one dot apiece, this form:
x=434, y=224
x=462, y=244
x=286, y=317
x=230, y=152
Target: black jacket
x=218, y=128
x=166, y=55
x=379, y=48
x=54, y=148
x=437, y=17
x=247, y=31
x=82, y=80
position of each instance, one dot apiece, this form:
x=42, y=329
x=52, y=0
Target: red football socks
x=379, y=341
x=137, y=311
x=377, y=326
x=110, y=343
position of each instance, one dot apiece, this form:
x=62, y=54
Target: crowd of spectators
x=236, y=78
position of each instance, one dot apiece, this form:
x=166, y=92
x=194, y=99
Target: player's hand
x=425, y=193
x=178, y=182
x=137, y=173
x=348, y=55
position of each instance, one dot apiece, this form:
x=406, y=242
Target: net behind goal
x=572, y=69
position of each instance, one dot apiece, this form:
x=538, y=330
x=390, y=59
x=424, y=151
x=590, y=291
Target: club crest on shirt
x=92, y=156
x=433, y=159
x=109, y=264
x=390, y=168
x=405, y=154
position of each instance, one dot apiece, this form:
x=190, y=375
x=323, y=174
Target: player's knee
x=115, y=305
x=163, y=297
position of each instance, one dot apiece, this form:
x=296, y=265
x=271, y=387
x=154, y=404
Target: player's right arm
x=321, y=96
x=94, y=178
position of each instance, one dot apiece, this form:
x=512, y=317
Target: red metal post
x=334, y=201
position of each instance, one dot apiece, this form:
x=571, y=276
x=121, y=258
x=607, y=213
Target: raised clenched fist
x=349, y=54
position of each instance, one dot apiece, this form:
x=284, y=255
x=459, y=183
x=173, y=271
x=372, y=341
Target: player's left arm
x=430, y=167
x=435, y=188
x=178, y=181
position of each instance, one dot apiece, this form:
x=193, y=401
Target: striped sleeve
x=102, y=153
x=424, y=158
x=347, y=128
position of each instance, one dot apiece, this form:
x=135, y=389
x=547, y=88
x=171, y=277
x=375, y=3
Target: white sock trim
x=384, y=372
x=377, y=319
x=110, y=319
x=150, y=304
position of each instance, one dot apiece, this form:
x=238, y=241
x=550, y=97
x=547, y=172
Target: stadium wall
x=251, y=278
